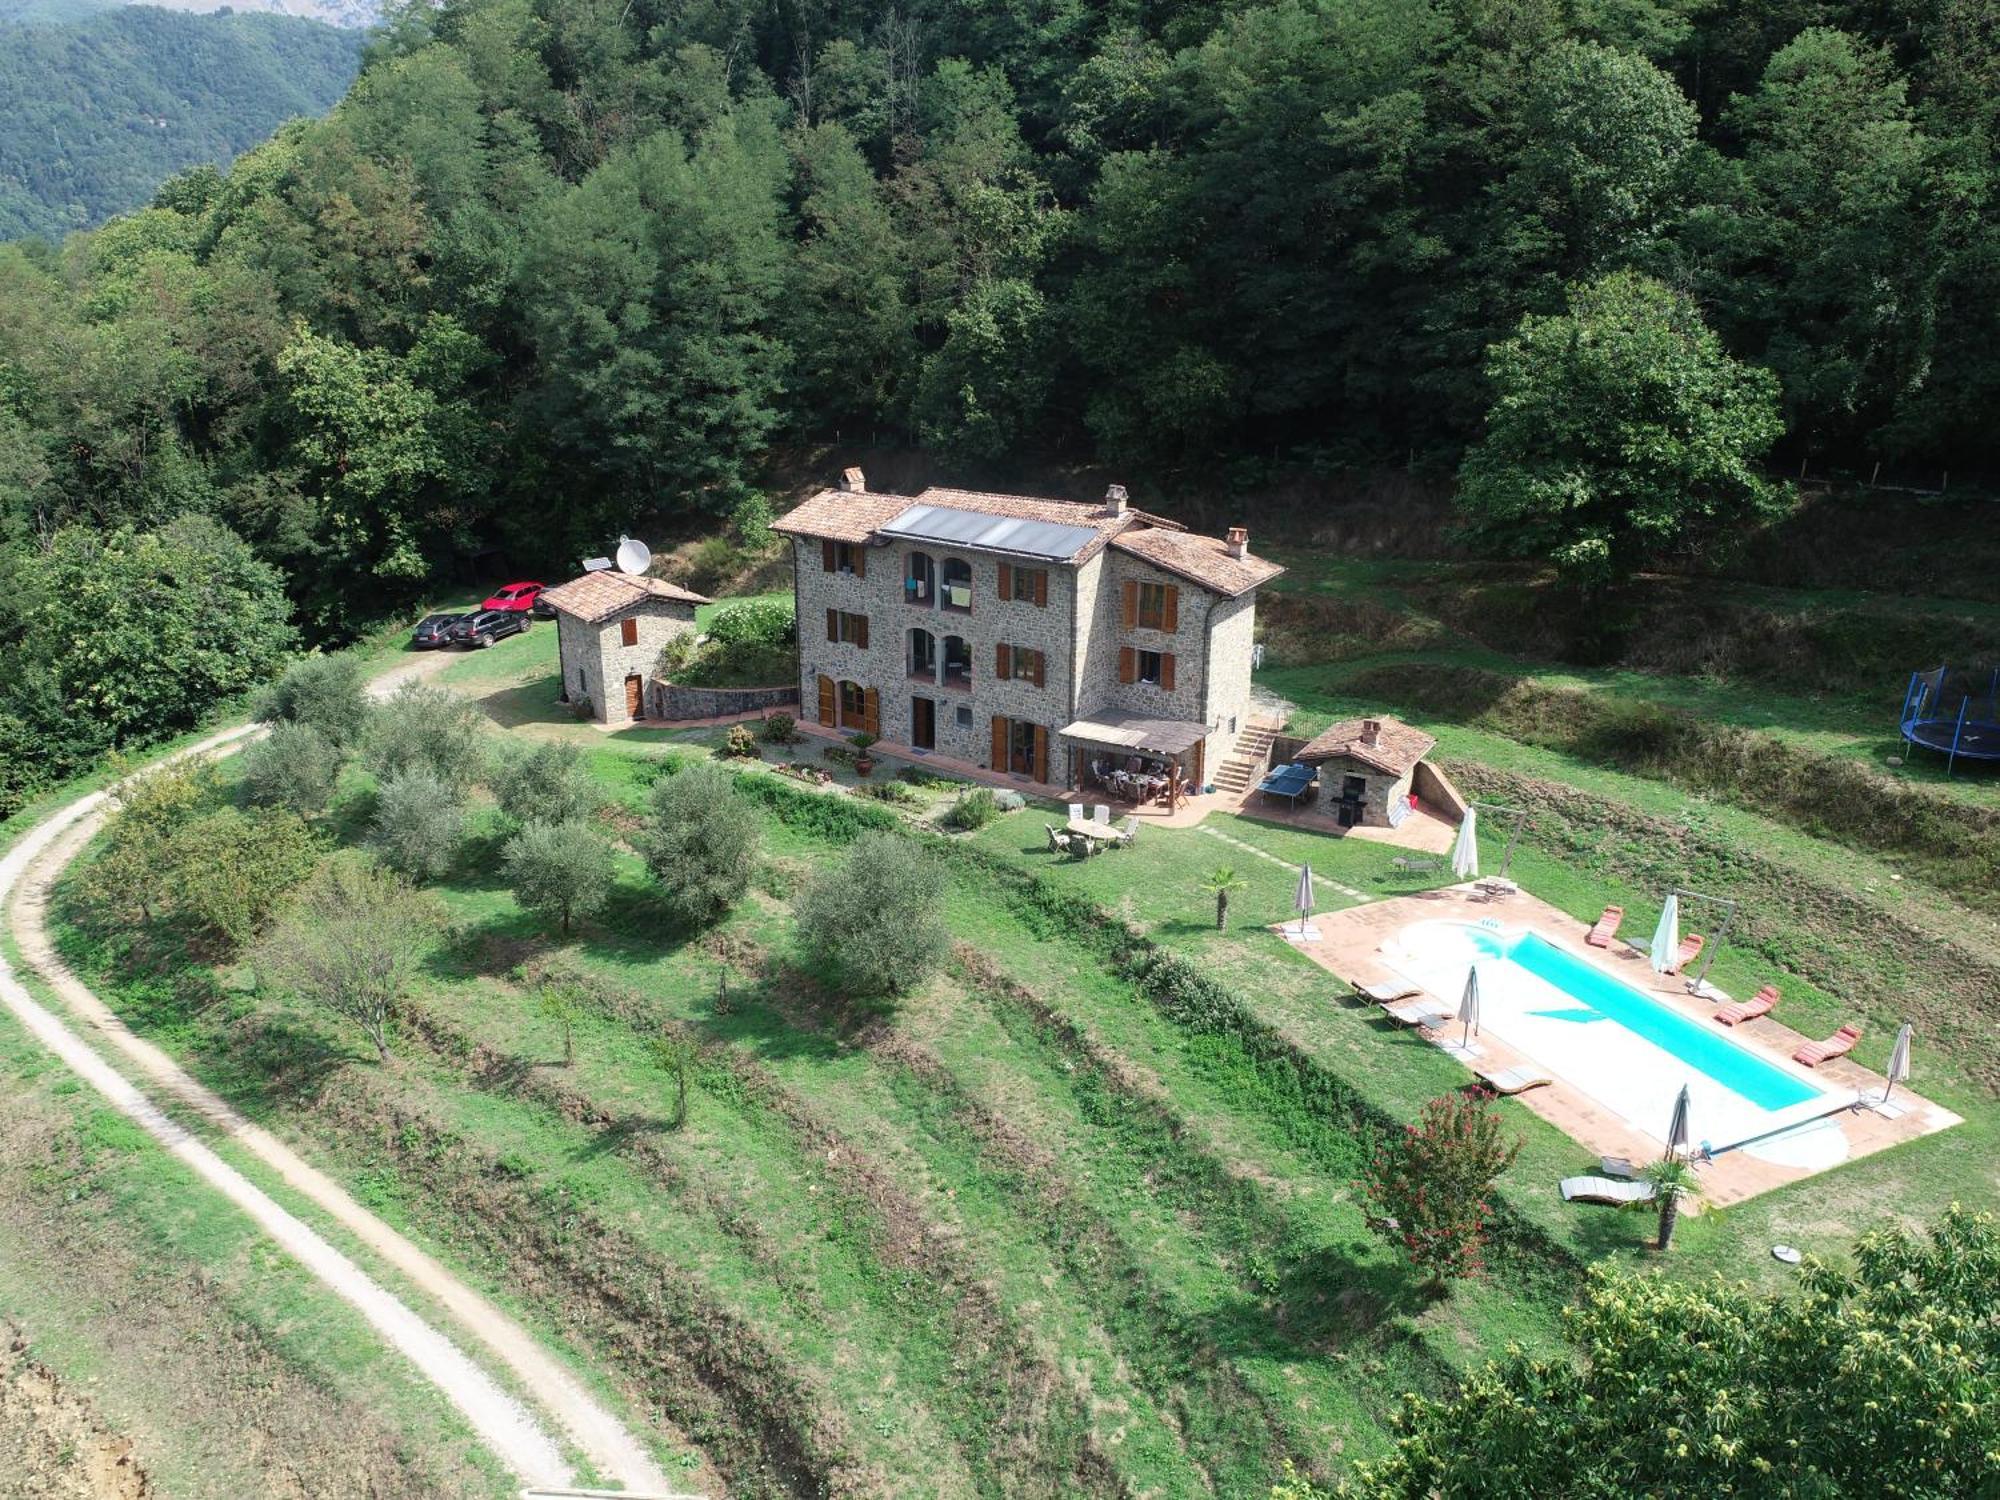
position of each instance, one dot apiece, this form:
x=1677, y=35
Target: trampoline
x=1955, y=714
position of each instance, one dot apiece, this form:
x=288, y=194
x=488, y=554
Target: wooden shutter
x=1003, y=663
x=1128, y=662
x=829, y=556
x=1041, y=661
x=833, y=625
x=860, y=560
x=1006, y=580
x=1131, y=610
x=1042, y=587
x=1171, y=619
x=628, y=631
x=871, y=712
x=861, y=631
x=826, y=701
x=1041, y=755
x=1167, y=670
x=999, y=743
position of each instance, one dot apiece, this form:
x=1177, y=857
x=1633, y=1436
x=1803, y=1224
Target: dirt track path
x=513, y=1433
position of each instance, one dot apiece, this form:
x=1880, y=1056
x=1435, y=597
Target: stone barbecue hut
x=610, y=629
x=1365, y=770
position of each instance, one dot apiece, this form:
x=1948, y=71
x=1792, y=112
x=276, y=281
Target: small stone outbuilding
x=610, y=630
x=1365, y=770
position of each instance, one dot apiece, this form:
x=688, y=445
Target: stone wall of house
x=1185, y=641
x=674, y=702
x=1232, y=626
x=595, y=662
x=1381, y=790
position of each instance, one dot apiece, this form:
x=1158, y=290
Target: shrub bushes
x=740, y=743
x=874, y=924
x=751, y=644
x=974, y=809
x=779, y=729
x=418, y=823
x=294, y=766
x=887, y=791
x=226, y=873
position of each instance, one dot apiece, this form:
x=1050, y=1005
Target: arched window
x=957, y=663
x=955, y=587
x=923, y=655
x=920, y=580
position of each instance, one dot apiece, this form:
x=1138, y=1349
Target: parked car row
x=506, y=612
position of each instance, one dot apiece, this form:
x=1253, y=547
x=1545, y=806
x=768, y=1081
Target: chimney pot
x=1371, y=731
x=853, y=480
x=1239, y=541
x=1114, y=500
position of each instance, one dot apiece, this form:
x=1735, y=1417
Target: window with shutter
x=1042, y=587
x=1006, y=580
x=826, y=701
x=1172, y=620
x=628, y=631
x=829, y=557
x=1155, y=605
x=1003, y=663
x=871, y=712
x=1128, y=661
x=999, y=760
x=1167, y=670
x=1131, y=609
x=833, y=625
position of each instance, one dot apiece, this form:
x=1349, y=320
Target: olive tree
x=700, y=841
x=428, y=729
x=544, y=783
x=873, y=924
x=349, y=941
x=324, y=693
x=562, y=870
x=295, y=766
x=419, y=821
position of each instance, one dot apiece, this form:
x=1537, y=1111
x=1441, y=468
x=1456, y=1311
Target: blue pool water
x=1601, y=997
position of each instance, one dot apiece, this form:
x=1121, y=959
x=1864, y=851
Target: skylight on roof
x=1049, y=540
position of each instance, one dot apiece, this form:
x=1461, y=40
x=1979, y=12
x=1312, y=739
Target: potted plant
x=863, y=764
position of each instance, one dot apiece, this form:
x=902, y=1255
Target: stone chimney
x=853, y=481
x=1114, y=500
x=1371, y=731
x=1239, y=541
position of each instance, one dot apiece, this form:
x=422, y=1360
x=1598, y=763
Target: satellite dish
x=634, y=556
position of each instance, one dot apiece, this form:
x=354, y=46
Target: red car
x=515, y=598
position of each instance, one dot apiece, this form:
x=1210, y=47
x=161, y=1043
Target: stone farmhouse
x=1047, y=639
x=610, y=628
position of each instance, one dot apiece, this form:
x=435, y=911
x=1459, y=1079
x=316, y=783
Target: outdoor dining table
x=1089, y=828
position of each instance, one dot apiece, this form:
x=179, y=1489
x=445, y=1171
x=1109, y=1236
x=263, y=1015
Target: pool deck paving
x=1349, y=946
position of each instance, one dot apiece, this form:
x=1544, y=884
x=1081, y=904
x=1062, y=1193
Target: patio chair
x=1512, y=1080
x=1057, y=843
x=1691, y=947
x=1760, y=1004
x=1387, y=991
x=1128, y=832
x=1812, y=1054
x=1076, y=812
x=1102, y=813
x=1604, y=1190
x=1606, y=927
x=1425, y=1012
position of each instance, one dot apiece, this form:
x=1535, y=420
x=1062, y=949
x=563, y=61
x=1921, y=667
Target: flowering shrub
x=1429, y=1185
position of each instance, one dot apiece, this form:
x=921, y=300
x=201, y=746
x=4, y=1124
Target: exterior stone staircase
x=1247, y=761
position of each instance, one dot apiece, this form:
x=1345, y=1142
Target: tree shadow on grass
x=1325, y=1301
x=636, y=924
x=618, y=1135
x=488, y=949
x=270, y=1057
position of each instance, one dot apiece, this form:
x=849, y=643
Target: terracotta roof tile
x=1397, y=746
x=842, y=515
x=1202, y=559
x=599, y=596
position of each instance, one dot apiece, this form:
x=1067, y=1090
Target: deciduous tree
x=1430, y=1183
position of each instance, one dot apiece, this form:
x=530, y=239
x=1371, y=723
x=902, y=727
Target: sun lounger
x=1606, y=927
x=1812, y=1054
x=1604, y=1190
x=1617, y=1166
x=1410, y=866
x=1512, y=1080
x=1691, y=947
x=1760, y=1004
x=1424, y=1012
x=1387, y=991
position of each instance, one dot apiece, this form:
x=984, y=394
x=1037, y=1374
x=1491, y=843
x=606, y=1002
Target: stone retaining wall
x=674, y=702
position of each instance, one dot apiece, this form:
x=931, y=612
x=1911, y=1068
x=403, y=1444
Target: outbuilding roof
x=1393, y=748
x=600, y=595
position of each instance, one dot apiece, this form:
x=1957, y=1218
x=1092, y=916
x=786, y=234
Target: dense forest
x=554, y=265
x=100, y=111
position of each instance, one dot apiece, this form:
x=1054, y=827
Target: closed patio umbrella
x=1899, y=1060
x=1468, y=1005
x=1302, y=899
x=1667, y=936
x=1465, y=853
x=1677, y=1129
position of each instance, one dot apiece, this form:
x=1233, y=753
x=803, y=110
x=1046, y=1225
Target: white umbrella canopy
x=1465, y=853
x=1302, y=898
x=1468, y=1004
x=1899, y=1060
x=1667, y=936
x=1677, y=1128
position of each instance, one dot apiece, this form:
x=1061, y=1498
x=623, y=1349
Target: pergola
x=1708, y=950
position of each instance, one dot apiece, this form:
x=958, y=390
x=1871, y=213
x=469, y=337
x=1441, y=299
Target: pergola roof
x=1134, y=732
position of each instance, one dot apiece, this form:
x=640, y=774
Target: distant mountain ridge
x=352, y=14
x=100, y=111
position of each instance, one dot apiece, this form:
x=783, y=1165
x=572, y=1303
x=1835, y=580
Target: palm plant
x=1673, y=1181
x=1218, y=883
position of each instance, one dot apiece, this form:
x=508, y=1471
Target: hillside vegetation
x=102, y=110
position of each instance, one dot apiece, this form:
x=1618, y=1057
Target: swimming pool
x=1630, y=1051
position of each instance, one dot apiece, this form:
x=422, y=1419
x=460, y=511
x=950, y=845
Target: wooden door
x=1041, y=755
x=923, y=724
x=1000, y=746
x=635, y=697
x=871, y=712
x=826, y=701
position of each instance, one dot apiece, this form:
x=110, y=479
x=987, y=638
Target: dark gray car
x=485, y=626
x=433, y=631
